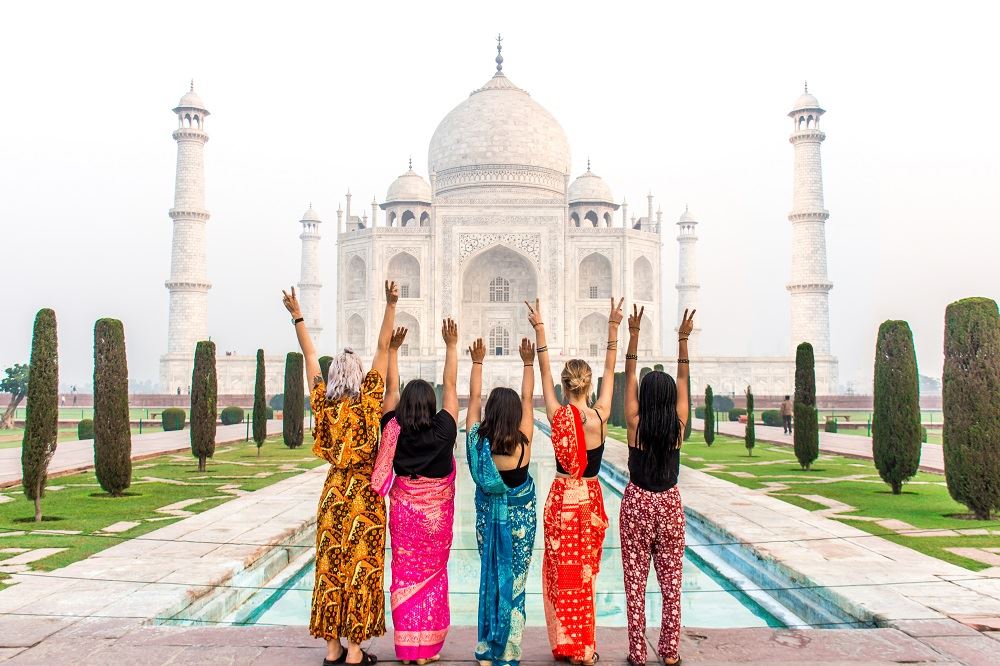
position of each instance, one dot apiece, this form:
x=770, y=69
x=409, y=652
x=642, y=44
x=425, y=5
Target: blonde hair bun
x=577, y=377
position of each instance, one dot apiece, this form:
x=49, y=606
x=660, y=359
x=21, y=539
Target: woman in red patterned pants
x=652, y=516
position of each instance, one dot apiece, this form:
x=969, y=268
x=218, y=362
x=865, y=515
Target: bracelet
x=530, y=365
x=477, y=363
x=683, y=360
x=681, y=339
x=542, y=349
x=298, y=321
x=631, y=357
x=537, y=324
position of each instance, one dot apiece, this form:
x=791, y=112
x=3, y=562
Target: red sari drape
x=574, y=522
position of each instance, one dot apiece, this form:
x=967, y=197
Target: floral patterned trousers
x=652, y=525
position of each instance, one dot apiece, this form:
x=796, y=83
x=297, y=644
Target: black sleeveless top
x=638, y=476
x=594, y=456
x=512, y=478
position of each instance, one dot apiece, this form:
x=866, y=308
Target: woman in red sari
x=574, y=520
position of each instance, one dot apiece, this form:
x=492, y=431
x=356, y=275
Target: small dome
x=687, y=217
x=806, y=101
x=590, y=187
x=410, y=186
x=191, y=100
x=310, y=215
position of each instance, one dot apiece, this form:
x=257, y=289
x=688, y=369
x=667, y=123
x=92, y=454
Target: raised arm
x=474, y=414
x=631, y=382
x=381, y=359
x=548, y=390
x=291, y=303
x=683, y=365
x=449, y=331
x=391, y=397
x=603, y=403
x=527, y=389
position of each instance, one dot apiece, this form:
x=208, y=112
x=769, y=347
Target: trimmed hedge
x=709, y=416
x=750, y=434
x=736, y=412
x=687, y=426
x=806, y=432
x=699, y=412
x=896, y=429
x=723, y=403
x=324, y=368
x=85, y=429
x=291, y=425
x=231, y=415
x=173, y=418
x=204, y=401
x=277, y=401
x=112, y=430
x=771, y=417
x=41, y=422
x=260, y=408
x=830, y=425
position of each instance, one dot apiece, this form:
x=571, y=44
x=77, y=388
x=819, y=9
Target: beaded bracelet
x=631, y=357
x=542, y=349
x=477, y=363
x=683, y=360
x=530, y=365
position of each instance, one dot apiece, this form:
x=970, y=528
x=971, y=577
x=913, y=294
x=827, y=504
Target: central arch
x=495, y=284
x=595, y=276
x=404, y=270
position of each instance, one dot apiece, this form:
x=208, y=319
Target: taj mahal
x=499, y=220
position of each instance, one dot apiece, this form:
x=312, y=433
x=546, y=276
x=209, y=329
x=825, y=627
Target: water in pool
x=708, y=599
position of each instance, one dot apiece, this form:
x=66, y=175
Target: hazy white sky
x=308, y=99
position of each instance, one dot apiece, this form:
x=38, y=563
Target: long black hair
x=417, y=404
x=502, y=421
x=659, y=428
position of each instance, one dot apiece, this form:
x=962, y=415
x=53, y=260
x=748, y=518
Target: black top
x=636, y=467
x=512, y=478
x=429, y=453
x=593, y=455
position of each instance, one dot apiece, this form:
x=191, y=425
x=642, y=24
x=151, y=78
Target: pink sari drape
x=421, y=513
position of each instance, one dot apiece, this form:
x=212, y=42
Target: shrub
x=771, y=417
x=709, y=416
x=830, y=425
x=231, y=415
x=687, y=426
x=699, y=412
x=204, y=398
x=736, y=412
x=559, y=395
x=722, y=403
x=971, y=394
x=896, y=437
x=260, y=408
x=643, y=372
x=806, y=433
x=750, y=434
x=277, y=401
x=173, y=418
x=324, y=367
x=41, y=422
x=112, y=430
x=85, y=429
x=291, y=426
x=618, y=401
x=923, y=434
x=658, y=366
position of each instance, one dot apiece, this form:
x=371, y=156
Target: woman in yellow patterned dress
x=348, y=600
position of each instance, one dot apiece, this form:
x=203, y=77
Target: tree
x=687, y=426
x=15, y=382
x=324, y=366
x=112, y=430
x=971, y=394
x=291, y=426
x=709, y=416
x=260, y=404
x=41, y=422
x=559, y=395
x=204, y=397
x=750, y=434
x=806, y=433
x=643, y=372
x=658, y=367
x=618, y=401
x=897, y=429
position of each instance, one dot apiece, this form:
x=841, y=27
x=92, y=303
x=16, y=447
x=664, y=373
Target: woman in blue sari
x=499, y=450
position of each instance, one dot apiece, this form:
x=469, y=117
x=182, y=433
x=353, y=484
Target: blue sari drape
x=505, y=532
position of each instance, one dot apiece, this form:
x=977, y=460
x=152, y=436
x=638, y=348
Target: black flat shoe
x=366, y=659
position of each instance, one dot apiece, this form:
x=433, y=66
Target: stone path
x=855, y=446
x=78, y=455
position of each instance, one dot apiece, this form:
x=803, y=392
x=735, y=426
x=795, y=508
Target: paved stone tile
x=120, y=526
x=944, y=627
x=977, y=554
x=22, y=632
x=99, y=627
x=7, y=653
x=135, y=655
x=57, y=650
x=32, y=555
x=291, y=656
x=972, y=650
x=229, y=655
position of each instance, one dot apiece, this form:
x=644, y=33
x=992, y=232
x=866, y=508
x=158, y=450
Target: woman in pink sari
x=418, y=448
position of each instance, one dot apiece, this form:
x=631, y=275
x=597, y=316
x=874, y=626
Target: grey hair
x=344, y=377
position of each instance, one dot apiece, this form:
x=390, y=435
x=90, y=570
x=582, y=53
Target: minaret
x=687, y=274
x=809, y=286
x=374, y=212
x=624, y=214
x=188, y=282
x=340, y=219
x=309, y=280
x=347, y=214
x=649, y=211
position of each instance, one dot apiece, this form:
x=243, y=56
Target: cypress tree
x=971, y=393
x=687, y=426
x=896, y=432
x=324, y=366
x=709, y=416
x=806, y=432
x=618, y=401
x=750, y=435
x=41, y=422
x=559, y=395
x=658, y=366
x=204, y=398
x=291, y=426
x=643, y=372
x=260, y=404
x=112, y=430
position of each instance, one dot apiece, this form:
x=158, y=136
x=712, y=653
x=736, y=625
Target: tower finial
x=806, y=86
x=192, y=85
x=499, y=58
x=411, y=162
x=588, y=162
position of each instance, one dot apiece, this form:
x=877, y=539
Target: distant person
x=178, y=390
x=62, y=400
x=786, y=414
x=348, y=599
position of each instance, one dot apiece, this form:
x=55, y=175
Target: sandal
x=673, y=663
x=366, y=659
x=339, y=661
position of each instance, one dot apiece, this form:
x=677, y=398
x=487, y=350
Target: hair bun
x=348, y=350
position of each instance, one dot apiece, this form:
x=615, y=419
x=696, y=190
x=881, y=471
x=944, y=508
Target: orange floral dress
x=348, y=599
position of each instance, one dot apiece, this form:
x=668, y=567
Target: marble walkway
x=855, y=446
x=78, y=455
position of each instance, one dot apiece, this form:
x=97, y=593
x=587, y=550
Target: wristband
x=542, y=349
x=296, y=322
x=631, y=357
x=683, y=360
x=530, y=365
x=477, y=363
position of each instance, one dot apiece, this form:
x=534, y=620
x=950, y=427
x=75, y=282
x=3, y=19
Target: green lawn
x=77, y=502
x=924, y=503
x=12, y=438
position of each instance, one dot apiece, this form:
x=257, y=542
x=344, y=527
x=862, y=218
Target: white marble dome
x=191, y=100
x=806, y=101
x=310, y=215
x=410, y=186
x=499, y=136
x=687, y=217
x=589, y=188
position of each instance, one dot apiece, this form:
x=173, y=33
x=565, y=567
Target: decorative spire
x=192, y=85
x=588, y=163
x=411, y=162
x=499, y=58
x=806, y=86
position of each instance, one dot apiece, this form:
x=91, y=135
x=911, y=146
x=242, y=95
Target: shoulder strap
x=520, y=457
